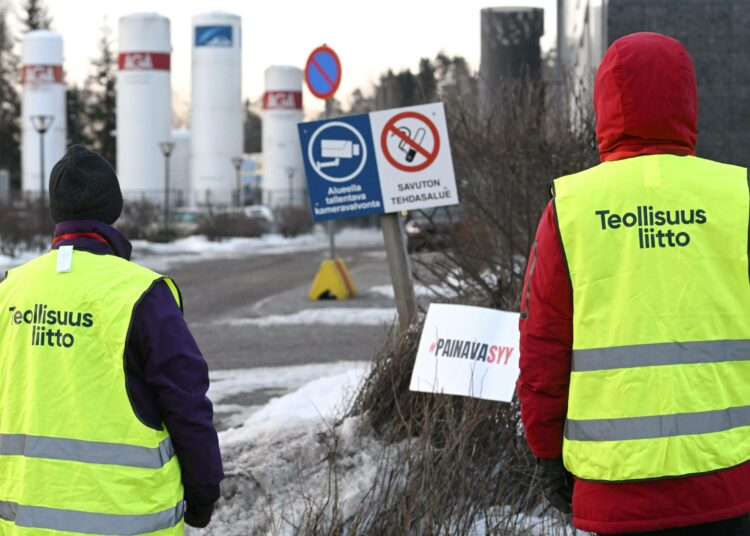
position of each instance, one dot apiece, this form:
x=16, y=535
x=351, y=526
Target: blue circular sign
x=337, y=152
x=323, y=72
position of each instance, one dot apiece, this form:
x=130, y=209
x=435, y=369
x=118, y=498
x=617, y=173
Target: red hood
x=646, y=98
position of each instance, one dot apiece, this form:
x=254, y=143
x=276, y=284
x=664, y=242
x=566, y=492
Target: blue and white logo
x=213, y=36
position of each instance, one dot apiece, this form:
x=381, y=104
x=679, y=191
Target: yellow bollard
x=332, y=282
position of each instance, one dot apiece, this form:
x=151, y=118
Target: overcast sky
x=370, y=37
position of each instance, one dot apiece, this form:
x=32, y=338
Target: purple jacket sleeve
x=167, y=380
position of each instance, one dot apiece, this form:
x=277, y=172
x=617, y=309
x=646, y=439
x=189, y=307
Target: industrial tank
x=44, y=104
x=216, y=114
x=144, y=104
x=179, y=164
x=510, y=50
x=283, y=173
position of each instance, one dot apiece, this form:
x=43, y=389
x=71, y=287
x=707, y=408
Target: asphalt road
x=260, y=285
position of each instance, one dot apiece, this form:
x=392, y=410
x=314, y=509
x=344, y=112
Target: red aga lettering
x=143, y=61
x=137, y=62
x=42, y=74
x=282, y=100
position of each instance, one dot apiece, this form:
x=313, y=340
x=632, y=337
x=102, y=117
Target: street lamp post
x=41, y=124
x=290, y=171
x=166, y=149
x=237, y=163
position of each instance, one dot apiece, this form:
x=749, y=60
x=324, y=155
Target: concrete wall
x=716, y=35
x=510, y=48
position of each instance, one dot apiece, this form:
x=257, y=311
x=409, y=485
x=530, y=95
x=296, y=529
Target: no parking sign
x=382, y=162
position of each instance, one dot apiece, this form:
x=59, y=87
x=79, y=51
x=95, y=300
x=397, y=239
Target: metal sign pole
x=400, y=269
x=331, y=223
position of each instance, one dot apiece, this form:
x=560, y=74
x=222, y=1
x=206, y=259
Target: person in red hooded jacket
x=645, y=98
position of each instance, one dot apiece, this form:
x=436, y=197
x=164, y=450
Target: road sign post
x=399, y=269
x=323, y=77
x=331, y=223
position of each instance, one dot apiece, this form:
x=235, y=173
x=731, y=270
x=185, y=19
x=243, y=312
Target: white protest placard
x=468, y=351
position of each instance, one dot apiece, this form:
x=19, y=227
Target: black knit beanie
x=83, y=186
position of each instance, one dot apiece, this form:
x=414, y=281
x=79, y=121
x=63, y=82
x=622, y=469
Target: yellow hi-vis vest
x=74, y=457
x=657, y=249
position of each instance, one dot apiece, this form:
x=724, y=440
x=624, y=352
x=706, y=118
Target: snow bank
x=227, y=383
x=324, y=316
x=317, y=401
x=160, y=256
x=278, y=463
x=279, y=450
x=433, y=291
x=199, y=248
x=6, y=263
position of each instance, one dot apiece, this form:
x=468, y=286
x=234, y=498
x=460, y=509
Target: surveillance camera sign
x=340, y=164
x=381, y=162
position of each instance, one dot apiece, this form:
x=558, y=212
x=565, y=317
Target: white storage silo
x=283, y=172
x=144, y=104
x=180, y=166
x=44, y=104
x=216, y=114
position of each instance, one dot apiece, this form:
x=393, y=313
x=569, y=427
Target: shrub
x=25, y=226
x=455, y=465
x=224, y=225
x=138, y=219
x=293, y=221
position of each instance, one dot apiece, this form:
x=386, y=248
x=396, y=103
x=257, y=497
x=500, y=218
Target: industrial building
x=284, y=176
x=43, y=118
x=216, y=108
x=510, y=48
x=144, y=104
x=716, y=36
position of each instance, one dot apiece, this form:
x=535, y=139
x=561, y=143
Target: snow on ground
x=328, y=316
x=279, y=447
x=6, y=263
x=226, y=383
x=432, y=291
x=199, y=248
x=317, y=401
x=277, y=463
x=233, y=392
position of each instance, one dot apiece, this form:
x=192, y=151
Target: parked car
x=255, y=215
x=182, y=222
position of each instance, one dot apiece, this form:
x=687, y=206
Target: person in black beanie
x=83, y=186
x=157, y=461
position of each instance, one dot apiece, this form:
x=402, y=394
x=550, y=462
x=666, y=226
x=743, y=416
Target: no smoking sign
x=414, y=158
x=410, y=141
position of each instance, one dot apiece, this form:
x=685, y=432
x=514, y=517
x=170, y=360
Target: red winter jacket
x=646, y=103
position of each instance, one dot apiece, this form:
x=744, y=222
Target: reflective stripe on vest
x=87, y=523
x=657, y=250
x=668, y=353
x=68, y=431
x=56, y=448
x=703, y=422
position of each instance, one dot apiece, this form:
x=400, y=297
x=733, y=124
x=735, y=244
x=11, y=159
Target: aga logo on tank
x=49, y=326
